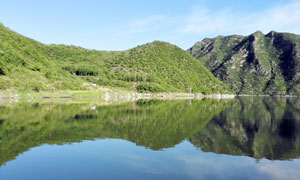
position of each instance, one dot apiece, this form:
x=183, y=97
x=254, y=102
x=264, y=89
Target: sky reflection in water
x=116, y=159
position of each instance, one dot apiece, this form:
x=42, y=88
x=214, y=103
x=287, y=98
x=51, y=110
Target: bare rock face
x=254, y=64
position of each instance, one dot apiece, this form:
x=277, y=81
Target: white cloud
x=204, y=21
x=279, y=18
x=280, y=172
x=151, y=23
x=200, y=22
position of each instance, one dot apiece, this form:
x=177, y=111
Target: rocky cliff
x=254, y=64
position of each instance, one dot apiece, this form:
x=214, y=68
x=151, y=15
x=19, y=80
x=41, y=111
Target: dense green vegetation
x=156, y=67
x=153, y=124
x=255, y=64
x=256, y=127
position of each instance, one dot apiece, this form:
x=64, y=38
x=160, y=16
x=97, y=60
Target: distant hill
x=156, y=67
x=254, y=64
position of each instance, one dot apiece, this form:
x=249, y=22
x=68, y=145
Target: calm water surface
x=243, y=138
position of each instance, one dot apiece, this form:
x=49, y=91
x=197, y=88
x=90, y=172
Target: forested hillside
x=156, y=67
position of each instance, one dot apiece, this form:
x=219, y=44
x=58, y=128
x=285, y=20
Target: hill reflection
x=257, y=127
x=153, y=124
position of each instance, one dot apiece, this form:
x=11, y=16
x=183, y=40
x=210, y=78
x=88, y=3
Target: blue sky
x=121, y=24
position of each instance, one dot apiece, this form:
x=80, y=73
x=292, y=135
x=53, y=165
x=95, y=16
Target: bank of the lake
x=108, y=94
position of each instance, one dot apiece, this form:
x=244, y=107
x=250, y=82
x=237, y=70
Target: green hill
x=254, y=64
x=156, y=67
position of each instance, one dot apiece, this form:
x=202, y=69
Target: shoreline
x=267, y=95
x=109, y=95
x=113, y=95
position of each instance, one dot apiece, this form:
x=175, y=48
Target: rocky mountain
x=27, y=65
x=254, y=64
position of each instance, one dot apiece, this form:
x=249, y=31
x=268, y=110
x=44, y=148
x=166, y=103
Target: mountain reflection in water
x=153, y=124
x=256, y=127
x=176, y=136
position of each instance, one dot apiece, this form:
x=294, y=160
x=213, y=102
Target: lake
x=238, y=139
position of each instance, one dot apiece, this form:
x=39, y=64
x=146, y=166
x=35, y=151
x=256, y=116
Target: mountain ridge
x=254, y=64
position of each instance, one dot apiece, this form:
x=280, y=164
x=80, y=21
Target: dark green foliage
x=81, y=71
x=1, y=72
x=148, y=87
x=255, y=64
x=156, y=67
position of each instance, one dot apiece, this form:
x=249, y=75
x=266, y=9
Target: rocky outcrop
x=254, y=64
